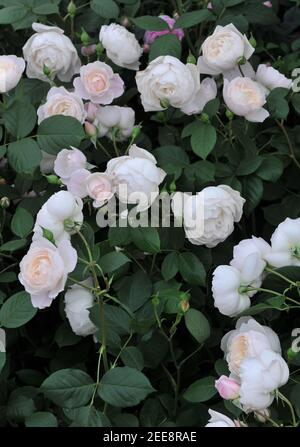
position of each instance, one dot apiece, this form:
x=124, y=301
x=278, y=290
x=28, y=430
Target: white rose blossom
x=78, y=301
x=11, y=70
x=220, y=420
x=233, y=288
x=61, y=214
x=272, y=78
x=168, y=80
x=136, y=177
x=98, y=83
x=222, y=50
x=285, y=243
x=44, y=270
x=51, y=48
x=121, y=46
x=246, y=98
x=60, y=101
x=248, y=340
x=248, y=247
x=209, y=215
x=260, y=378
x=120, y=120
x=67, y=161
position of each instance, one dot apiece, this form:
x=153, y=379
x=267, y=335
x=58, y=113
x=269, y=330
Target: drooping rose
x=121, y=46
x=78, y=301
x=100, y=187
x=50, y=48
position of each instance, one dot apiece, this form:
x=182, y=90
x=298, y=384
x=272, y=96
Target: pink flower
x=268, y=4
x=91, y=110
x=44, y=270
x=68, y=161
x=76, y=184
x=228, y=389
x=100, y=188
x=98, y=83
x=150, y=36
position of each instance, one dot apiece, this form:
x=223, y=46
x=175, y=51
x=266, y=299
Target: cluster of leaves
x=163, y=357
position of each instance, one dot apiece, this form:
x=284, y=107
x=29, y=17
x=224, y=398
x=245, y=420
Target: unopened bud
x=229, y=115
x=291, y=354
x=90, y=129
x=85, y=38
x=241, y=60
x=125, y=22
x=164, y=103
x=72, y=9
x=262, y=415
x=47, y=234
x=88, y=50
x=53, y=179
x=146, y=48
x=184, y=305
x=252, y=41
x=4, y=202
x=205, y=118
x=191, y=59
x=135, y=132
x=155, y=301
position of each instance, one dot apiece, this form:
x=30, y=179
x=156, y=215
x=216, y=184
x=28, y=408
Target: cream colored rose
x=61, y=102
x=222, y=50
x=167, y=81
x=98, y=83
x=245, y=97
x=209, y=216
x=121, y=46
x=248, y=340
x=100, y=187
x=44, y=270
x=49, y=47
x=11, y=69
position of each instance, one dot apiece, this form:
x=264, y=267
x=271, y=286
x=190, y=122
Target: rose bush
x=149, y=213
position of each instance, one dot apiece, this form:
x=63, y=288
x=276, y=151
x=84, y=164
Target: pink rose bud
x=146, y=48
x=228, y=389
x=268, y=4
x=88, y=50
x=151, y=36
x=90, y=129
x=209, y=5
x=91, y=110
